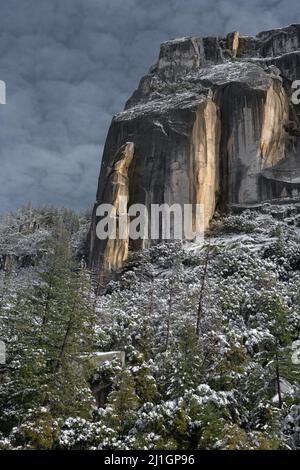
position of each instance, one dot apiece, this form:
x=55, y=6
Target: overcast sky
x=69, y=65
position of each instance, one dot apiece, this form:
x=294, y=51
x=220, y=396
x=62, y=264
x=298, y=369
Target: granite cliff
x=213, y=123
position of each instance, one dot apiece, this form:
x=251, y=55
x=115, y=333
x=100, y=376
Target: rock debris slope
x=213, y=123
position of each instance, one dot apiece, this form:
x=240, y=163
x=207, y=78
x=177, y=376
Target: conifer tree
x=122, y=403
x=50, y=334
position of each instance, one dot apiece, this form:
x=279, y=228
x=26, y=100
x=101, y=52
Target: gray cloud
x=70, y=65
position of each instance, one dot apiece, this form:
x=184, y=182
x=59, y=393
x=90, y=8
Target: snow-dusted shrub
x=244, y=223
x=81, y=434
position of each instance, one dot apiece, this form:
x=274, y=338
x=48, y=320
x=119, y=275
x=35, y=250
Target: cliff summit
x=212, y=123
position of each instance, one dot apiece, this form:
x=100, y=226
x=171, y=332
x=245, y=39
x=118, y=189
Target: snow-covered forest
x=209, y=332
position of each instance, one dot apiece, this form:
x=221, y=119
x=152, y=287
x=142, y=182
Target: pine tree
x=185, y=363
x=50, y=333
x=278, y=316
x=67, y=328
x=122, y=403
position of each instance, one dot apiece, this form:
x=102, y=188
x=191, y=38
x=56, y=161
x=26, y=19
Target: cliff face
x=213, y=116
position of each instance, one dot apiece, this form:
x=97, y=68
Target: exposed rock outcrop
x=213, y=116
x=112, y=252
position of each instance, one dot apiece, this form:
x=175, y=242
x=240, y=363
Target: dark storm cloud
x=69, y=65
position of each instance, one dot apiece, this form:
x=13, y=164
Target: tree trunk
x=200, y=303
x=278, y=376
